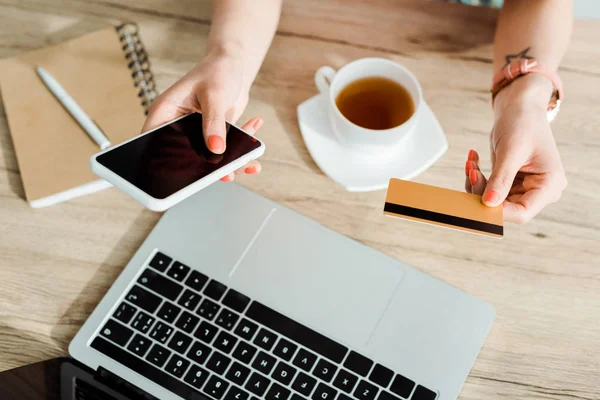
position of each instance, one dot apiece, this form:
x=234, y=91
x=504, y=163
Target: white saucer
x=360, y=171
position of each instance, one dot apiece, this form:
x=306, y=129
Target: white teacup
x=330, y=82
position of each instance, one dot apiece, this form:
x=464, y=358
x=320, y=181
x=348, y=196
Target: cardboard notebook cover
x=52, y=150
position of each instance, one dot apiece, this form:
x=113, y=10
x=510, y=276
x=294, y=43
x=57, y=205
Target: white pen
x=76, y=112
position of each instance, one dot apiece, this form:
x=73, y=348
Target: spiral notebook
x=108, y=74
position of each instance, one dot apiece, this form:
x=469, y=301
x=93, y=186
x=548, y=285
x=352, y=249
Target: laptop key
x=187, y=322
x=124, y=313
x=358, y=363
x=297, y=332
x=325, y=370
x=257, y=384
x=381, y=375
x=296, y=396
x=206, y=332
x=324, y=392
x=215, y=387
x=385, y=395
x=199, y=352
x=264, y=363
x=168, y=312
x=158, y=355
x=196, y=376
x=189, y=299
x=277, y=392
x=422, y=393
x=235, y=393
x=178, y=271
x=283, y=373
x=238, y=373
x=244, y=352
x=345, y=381
x=402, y=386
x=304, y=360
x=365, y=391
x=180, y=342
x=246, y=329
x=265, y=339
x=342, y=396
x=208, y=309
x=143, y=299
x=142, y=322
x=139, y=345
x=160, y=261
x=161, y=332
x=218, y=363
x=236, y=301
x=304, y=384
x=143, y=368
x=227, y=319
x=116, y=332
x=285, y=349
x=159, y=284
x=196, y=280
x=215, y=290
x=177, y=366
x=225, y=342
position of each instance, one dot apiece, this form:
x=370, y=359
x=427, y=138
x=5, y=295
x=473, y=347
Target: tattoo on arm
x=520, y=55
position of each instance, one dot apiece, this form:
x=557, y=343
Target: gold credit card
x=442, y=207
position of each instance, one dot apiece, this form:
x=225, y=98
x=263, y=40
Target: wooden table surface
x=543, y=278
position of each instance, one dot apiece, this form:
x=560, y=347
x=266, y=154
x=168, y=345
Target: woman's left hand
x=527, y=172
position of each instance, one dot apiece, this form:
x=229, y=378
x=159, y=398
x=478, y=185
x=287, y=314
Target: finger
x=473, y=156
x=252, y=168
x=252, y=125
x=509, y=160
x=469, y=165
x=477, y=181
x=228, y=178
x=160, y=113
x=213, y=122
x=521, y=209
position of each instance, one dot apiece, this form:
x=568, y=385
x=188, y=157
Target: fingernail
x=491, y=197
x=257, y=124
x=468, y=167
x=227, y=178
x=251, y=170
x=471, y=155
x=216, y=143
x=473, y=176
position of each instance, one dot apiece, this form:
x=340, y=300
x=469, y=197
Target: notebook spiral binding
x=139, y=64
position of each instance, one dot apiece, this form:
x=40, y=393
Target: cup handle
x=323, y=78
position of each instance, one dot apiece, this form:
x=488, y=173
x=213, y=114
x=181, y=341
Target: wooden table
x=543, y=278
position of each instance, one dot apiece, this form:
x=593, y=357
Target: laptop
x=235, y=297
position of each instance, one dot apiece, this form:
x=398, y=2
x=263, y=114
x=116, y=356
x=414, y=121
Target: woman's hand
x=216, y=88
x=527, y=172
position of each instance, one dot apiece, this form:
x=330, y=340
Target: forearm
x=244, y=28
x=534, y=28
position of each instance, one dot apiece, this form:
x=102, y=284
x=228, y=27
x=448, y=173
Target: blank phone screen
x=170, y=158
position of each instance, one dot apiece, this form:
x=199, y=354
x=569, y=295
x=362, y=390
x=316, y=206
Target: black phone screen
x=170, y=158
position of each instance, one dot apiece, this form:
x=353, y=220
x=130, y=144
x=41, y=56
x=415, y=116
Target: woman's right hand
x=216, y=88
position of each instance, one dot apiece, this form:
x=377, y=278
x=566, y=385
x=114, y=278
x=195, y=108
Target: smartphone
x=167, y=164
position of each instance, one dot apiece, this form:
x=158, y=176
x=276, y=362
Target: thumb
x=213, y=123
x=508, y=162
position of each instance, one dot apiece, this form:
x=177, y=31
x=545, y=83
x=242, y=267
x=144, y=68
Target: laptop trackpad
x=320, y=278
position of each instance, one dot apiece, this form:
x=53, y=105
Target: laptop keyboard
x=192, y=335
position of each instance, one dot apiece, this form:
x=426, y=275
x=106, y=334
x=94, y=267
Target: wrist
x=224, y=48
x=532, y=90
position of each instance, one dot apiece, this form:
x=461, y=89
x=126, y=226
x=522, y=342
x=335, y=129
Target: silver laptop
x=235, y=297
